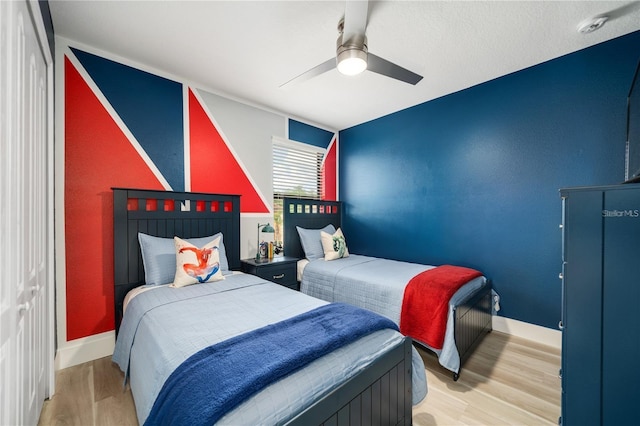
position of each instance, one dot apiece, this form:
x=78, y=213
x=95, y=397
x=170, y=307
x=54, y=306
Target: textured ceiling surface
x=246, y=50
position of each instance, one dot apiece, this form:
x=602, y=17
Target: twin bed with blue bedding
x=380, y=284
x=205, y=354
x=242, y=350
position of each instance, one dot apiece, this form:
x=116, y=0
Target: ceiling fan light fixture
x=352, y=61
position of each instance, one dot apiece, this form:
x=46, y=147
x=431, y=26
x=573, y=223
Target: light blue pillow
x=312, y=243
x=159, y=256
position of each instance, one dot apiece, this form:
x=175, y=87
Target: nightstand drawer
x=280, y=274
x=280, y=270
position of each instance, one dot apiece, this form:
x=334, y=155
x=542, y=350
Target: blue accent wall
x=472, y=178
x=311, y=135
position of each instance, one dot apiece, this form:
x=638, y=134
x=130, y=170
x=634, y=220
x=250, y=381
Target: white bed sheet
x=300, y=265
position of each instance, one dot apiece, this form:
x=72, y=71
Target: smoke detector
x=592, y=24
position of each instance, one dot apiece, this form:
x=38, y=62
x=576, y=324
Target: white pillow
x=159, y=256
x=196, y=264
x=334, y=245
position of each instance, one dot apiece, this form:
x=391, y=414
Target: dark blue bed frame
x=472, y=320
x=379, y=395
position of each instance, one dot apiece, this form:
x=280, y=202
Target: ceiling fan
x=352, y=53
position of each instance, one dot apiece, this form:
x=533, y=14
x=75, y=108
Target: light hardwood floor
x=507, y=381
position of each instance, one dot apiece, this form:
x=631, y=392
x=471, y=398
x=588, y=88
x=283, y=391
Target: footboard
x=472, y=320
x=379, y=395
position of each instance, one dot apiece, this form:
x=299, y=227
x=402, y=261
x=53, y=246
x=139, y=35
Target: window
x=296, y=173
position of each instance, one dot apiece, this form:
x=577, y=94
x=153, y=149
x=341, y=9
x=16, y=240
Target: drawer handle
x=277, y=277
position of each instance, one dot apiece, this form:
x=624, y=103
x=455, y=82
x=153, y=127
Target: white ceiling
x=246, y=49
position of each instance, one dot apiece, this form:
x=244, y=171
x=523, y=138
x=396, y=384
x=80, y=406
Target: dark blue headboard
x=167, y=214
x=310, y=214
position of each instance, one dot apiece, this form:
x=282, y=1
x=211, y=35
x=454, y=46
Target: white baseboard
x=86, y=349
x=536, y=333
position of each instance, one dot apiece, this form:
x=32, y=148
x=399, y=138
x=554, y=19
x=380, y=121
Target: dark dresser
x=600, y=287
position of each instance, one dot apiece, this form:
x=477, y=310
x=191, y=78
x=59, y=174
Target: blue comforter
x=243, y=365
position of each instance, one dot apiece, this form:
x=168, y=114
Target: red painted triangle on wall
x=98, y=156
x=329, y=187
x=214, y=168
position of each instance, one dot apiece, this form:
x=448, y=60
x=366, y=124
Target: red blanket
x=425, y=305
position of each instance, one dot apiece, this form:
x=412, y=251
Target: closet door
x=26, y=279
x=621, y=317
x=7, y=291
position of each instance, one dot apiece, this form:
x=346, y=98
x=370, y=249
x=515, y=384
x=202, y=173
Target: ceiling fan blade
x=622, y=11
x=327, y=65
x=355, y=20
x=382, y=66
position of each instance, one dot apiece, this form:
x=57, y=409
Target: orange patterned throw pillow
x=196, y=264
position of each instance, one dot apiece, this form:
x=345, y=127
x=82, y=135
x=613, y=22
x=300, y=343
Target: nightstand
x=280, y=270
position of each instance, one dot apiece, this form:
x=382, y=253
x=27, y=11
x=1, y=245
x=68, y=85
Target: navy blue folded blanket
x=216, y=379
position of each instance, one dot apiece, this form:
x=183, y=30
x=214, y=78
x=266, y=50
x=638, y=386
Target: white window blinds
x=296, y=169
